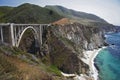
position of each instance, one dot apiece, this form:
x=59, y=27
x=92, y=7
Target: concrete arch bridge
x=12, y=33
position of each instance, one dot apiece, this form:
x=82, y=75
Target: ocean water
x=108, y=59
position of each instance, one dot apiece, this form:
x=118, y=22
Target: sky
x=109, y=10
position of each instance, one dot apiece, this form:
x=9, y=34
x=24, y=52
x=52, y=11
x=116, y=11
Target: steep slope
x=66, y=43
x=77, y=15
x=18, y=65
x=29, y=13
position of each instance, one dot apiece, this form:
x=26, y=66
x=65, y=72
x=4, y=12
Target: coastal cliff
x=66, y=43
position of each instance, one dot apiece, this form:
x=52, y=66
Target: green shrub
x=54, y=70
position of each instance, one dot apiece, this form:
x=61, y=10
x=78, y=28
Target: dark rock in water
x=96, y=67
x=106, y=44
x=112, y=44
x=99, y=46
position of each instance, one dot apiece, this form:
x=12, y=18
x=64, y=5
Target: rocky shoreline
x=89, y=57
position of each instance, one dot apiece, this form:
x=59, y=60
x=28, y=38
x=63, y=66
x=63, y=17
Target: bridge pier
x=15, y=35
x=12, y=35
x=40, y=35
x=2, y=40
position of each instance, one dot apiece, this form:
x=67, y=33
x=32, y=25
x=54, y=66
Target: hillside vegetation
x=29, y=13
x=81, y=17
x=4, y=10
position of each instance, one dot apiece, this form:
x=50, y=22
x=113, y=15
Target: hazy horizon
x=109, y=10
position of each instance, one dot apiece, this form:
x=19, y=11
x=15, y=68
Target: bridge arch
x=22, y=33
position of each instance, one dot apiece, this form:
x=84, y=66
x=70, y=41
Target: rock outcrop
x=67, y=42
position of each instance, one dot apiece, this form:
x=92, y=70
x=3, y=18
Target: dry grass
x=62, y=21
x=11, y=68
x=15, y=67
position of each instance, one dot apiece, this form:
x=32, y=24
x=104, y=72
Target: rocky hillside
x=65, y=45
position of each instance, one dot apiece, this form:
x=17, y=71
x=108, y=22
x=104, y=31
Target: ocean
x=108, y=59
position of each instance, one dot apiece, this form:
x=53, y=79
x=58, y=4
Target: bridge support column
x=15, y=36
x=40, y=28
x=1, y=30
x=12, y=35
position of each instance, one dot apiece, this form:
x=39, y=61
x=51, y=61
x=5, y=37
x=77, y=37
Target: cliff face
x=86, y=37
x=67, y=42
